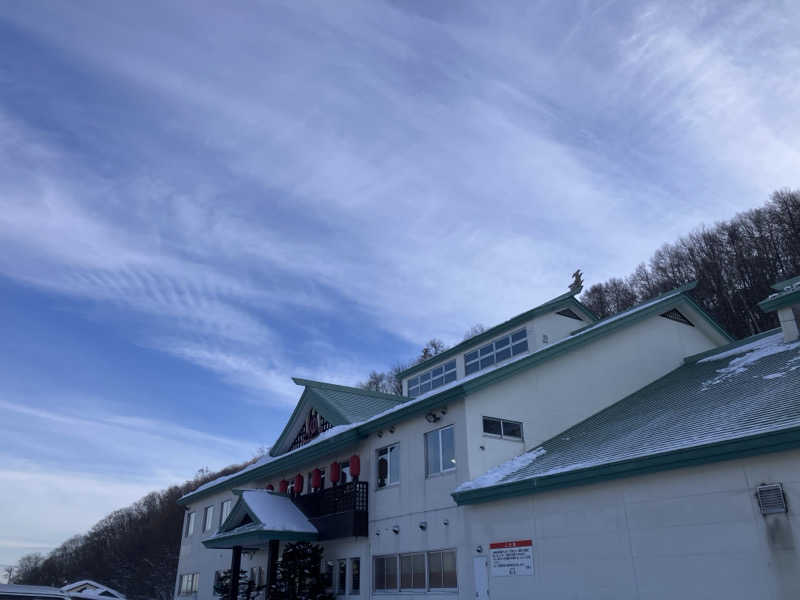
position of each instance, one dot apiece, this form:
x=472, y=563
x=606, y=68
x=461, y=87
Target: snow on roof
x=757, y=391
x=30, y=590
x=276, y=512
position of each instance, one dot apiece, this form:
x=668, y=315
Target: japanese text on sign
x=512, y=558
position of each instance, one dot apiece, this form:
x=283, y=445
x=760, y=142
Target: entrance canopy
x=260, y=516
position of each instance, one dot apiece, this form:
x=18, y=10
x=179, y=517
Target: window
x=388, y=466
x=189, y=584
x=355, y=575
x=385, y=573
x=226, y=510
x=341, y=578
x=208, y=517
x=442, y=569
x=440, y=454
x=505, y=429
x=495, y=352
x=432, y=379
x=189, y=524
x=412, y=571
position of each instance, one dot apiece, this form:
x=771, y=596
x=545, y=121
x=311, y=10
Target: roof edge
x=346, y=388
x=763, y=443
x=693, y=358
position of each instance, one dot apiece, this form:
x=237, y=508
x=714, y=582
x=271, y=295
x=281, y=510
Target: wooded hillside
x=133, y=550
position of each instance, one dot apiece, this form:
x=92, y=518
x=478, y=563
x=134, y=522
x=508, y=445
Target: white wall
x=689, y=533
x=565, y=390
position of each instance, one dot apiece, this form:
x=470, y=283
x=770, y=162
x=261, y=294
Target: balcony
x=339, y=511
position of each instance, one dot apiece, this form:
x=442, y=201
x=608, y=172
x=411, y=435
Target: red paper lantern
x=298, y=484
x=270, y=487
x=283, y=486
x=316, y=479
x=335, y=472
x=355, y=466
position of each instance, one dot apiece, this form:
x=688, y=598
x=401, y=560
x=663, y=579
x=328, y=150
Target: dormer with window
x=548, y=323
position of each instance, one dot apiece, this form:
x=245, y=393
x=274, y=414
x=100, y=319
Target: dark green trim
x=763, y=443
x=782, y=285
x=732, y=346
x=345, y=388
x=782, y=300
x=562, y=301
x=302, y=456
x=709, y=319
x=258, y=538
x=331, y=412
x=286, y=462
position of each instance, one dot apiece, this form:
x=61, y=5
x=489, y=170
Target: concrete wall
x=693, y=533
x=564, y=391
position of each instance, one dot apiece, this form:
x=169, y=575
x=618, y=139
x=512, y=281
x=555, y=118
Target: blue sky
x=200, y=201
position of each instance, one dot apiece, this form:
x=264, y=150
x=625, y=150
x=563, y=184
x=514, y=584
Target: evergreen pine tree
x=299, y=576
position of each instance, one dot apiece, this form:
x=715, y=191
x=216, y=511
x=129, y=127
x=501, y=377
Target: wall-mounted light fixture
x=396, y=529
x=379, y=434
x=479, y=549
x=391, y=429
x=446, y=522
x=423, y=525
x=432, y=417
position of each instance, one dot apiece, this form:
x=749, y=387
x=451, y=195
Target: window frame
x=449, y=373
x=193, y=580
x=441, y=552
x=506, y=342
x=389, y=461
x=190, y=519
x=208, y=518
x=441, y=471
x=223, y=514
x=502, y=435
x=411, y=555
x=384, y=589
x=354, y=590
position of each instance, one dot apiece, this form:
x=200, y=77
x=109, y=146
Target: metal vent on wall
x=676, y=315
x=771, y=499
x=569, y=313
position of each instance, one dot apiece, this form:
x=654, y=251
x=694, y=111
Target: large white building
x=553, y=456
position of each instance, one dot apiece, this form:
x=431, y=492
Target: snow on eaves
x=746, y=356
x=497, y=474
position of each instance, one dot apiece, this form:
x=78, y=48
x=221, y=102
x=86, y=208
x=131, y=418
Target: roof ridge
x=346, y=388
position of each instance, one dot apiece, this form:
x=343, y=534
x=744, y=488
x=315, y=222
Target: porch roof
x=260, y=516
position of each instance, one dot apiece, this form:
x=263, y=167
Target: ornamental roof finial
x=577, y=282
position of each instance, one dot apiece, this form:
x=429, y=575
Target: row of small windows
x=492, y=353
x=430, y=380
x=338, y=584
x=208, y=518
x=496, y=351
x=418, y=571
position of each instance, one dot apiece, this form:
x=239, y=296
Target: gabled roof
x=39, y=591
x=788, y=293
x=566, y=300
x=101, y=590
x=259, y=516
x=343, y=436
x=739, y=399
x=339, y=404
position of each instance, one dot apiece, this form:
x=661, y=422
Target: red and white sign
x=511, y=558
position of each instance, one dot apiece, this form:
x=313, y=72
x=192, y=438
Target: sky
x=200, y=200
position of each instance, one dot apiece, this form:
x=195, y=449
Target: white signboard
x=512, y=558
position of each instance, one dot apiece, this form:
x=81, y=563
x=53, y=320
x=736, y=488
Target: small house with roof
x=646, y=455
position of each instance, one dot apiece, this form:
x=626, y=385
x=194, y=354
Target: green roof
x=566, y=300
x=788, y=293
x=339, y=404
x=738, y=399
x=343, y=436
